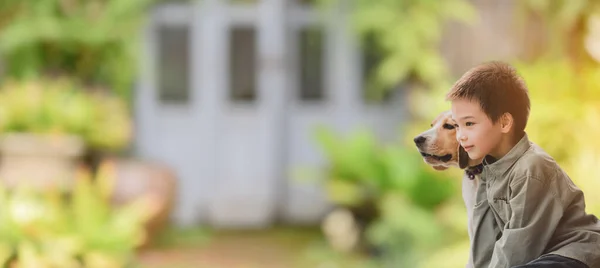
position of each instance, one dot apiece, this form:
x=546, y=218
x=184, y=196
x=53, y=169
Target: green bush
x=50, y=229
x=565, y=111
x=403, y=37
x=95, y=41
x=407, y=194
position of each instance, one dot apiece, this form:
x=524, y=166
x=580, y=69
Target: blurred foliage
x=63, y=106
x=50, y=229
x=408, y=195
x=360, y=170
x=564, y=120
x=406, y=35
x=564, y=85
x=559, y=25
x=95, y=41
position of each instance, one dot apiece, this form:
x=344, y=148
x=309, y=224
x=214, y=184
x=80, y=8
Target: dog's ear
x=463, y=158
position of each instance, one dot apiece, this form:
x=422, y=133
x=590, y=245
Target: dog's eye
x=448, y=126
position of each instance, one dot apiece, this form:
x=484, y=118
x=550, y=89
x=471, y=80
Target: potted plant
x=135, y=178
x=47, y=125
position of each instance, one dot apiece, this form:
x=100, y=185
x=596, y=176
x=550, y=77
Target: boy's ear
x=506, y=122
x=463, y=158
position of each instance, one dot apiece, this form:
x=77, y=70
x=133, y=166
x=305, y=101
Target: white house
x=229, y=93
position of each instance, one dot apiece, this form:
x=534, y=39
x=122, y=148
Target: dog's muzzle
x=444, y=158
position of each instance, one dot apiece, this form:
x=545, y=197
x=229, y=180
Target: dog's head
x=439, y=146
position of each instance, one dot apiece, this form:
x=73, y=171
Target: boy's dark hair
x=498, y=89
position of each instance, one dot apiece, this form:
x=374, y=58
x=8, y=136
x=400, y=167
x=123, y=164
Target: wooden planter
x=136, y=178
x=40, y=161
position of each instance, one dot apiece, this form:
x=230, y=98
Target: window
x=242, y=64
x=173, y=64
x=310, y=60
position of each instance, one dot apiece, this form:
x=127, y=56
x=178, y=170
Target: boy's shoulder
x=536, y=163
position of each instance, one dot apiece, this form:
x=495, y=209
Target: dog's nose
x=419, y=140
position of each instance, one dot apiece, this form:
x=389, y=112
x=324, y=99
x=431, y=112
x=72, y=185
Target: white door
x=175, y=108
x=252, y=114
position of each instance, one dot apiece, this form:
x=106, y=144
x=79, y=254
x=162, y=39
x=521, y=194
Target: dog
x=439, y=146
x=441, y=150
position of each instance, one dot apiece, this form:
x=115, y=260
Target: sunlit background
x=265, y=133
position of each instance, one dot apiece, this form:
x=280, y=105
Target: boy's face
x=475, y=131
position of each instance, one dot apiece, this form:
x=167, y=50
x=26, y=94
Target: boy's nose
x=460, y=136
x=419, y=140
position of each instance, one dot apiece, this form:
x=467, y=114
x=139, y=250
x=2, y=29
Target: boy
x=539, y=212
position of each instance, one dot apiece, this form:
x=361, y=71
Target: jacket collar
x=500, y=166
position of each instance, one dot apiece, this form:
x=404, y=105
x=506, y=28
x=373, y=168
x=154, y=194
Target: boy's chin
x=474, y=156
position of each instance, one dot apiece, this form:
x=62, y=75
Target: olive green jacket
x=526, y=206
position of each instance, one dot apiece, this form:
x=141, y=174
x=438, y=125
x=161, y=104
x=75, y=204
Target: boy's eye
x=448, y=126
x=468, y=124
